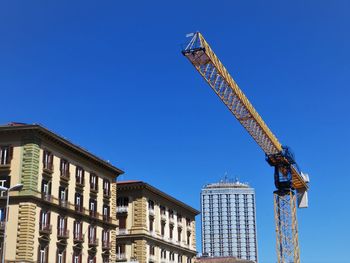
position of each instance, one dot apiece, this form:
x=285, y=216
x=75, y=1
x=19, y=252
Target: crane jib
x=215, y=74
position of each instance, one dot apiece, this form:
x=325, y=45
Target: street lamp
x=17, y=187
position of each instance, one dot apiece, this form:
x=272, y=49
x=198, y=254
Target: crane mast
x=291, y=184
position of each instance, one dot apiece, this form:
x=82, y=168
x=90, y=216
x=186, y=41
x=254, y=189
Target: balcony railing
x=93, y=188
x=121, y=256
x=106, y=245
x=45, y=229
x=78, y=237
x=152, y=258
x=163, y=217
x=79, y=208
x=122, y=209
x=123, y=231
x=93, y=242
x=79, y=183
x=62, y=233
x=46, y=197
x=65, y=175
x=63, y=203
x=107, y=218
x=2, y=225
x=106, y=193
x=151, y=211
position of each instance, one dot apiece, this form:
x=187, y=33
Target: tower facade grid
x=228, y=220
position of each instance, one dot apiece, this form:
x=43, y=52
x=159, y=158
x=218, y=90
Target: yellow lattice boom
x=213, y=71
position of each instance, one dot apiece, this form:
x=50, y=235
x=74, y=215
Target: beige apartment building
x=153, y=226
x=66, y=211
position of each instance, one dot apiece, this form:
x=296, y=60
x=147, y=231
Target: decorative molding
x=25, y=233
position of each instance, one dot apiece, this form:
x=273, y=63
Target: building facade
x=153, y=226
x=228, y=220
x=66, y=211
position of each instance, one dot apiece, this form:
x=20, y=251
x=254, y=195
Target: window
x=92, y=234
x=62, y=226
x=151, y=222
x=179, y=231
x=171, y=214
x=122, y=201
x=77, y=257
x=188, y=222
x=163, y=254
x=93, y=207
x=46, y=187
x=44, y=220
x=4, y=182
x=43, y=254
x=105, y=237
x=179, y=258
x=106, y=187
x=188, y=238
x=48, y=160
x=63, y=196
x=151, y=250
x=79, y=175
x=2, y=214
x=162, y=229
x=120, y=251
x=105, y=212
x=150, y=205
x=78, y=230
x=122, y=222
x=179, y=218
x=93, y=182
x=78, y=202
x=64, y=168
x=92, y=259
x=61, y=256
x=162, y=210
x=189, y=260
x=5, y=155
x=171, y=228
x=172, y=256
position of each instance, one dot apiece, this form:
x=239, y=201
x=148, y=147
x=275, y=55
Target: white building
x=228, y=220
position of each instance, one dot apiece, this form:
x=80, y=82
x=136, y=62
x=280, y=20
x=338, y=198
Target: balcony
x=122, y=209
x=63, y=203
x=106, y=193
x=151, y=211
x=93, y=189
x=93, y=242
x=45, y=229
x=78, y=238
x=107, y=218
x=106, y=245
x=2, y=225
x=123, y=231
x=62, y=233
x=93, y=214
x=65, y=175
x=47, y=197
x=79, y=208
x=48, y=170
x=163, y=217
x=79, y=183
x=121, y=257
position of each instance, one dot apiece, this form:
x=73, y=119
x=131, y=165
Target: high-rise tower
x=228, y=220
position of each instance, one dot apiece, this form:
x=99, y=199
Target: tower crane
x=291, y=184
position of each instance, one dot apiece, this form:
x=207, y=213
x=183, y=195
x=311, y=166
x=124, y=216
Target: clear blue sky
x=109, y=76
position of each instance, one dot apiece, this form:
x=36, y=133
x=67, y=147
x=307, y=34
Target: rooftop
x=133, y=184
x=46, y=133
x=227, y=183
